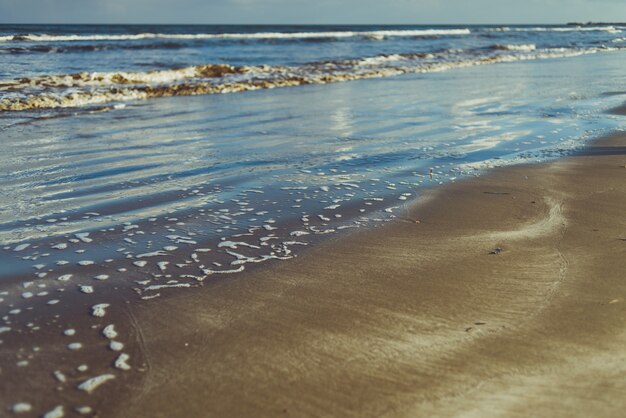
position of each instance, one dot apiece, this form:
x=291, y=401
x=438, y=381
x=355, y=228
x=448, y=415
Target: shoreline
x=404, y=320
x=419, y=318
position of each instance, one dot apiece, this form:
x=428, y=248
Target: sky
x=311, y=11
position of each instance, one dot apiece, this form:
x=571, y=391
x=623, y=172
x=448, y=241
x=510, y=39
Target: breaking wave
x=88, y=89
x=46, y=49
x=523, y=47
x=610, y=29
x=259, y=35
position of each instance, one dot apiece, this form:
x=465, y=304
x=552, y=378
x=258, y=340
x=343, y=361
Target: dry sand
x=416, y=318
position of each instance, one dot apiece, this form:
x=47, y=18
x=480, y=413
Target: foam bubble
x=121, y=362
x=109, y=332
x=57, y=412
x=21, y=407
x=116, y=346
x=83, y=410
x=86, y=289
x=99, y=310
x=75, y=346
x=59, y=376
x=92, y=384
x=21, y=247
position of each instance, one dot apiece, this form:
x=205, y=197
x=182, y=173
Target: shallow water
x=310, y=159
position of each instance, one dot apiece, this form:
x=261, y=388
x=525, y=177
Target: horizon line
x=323, y=24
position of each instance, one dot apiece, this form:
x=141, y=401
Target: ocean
x=251, y=142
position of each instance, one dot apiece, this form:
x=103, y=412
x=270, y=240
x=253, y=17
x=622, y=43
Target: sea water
x=248, y=142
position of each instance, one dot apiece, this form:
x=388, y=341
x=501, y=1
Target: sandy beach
x=497, y=296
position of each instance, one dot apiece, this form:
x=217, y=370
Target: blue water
x=27, y=58
x=372, y=110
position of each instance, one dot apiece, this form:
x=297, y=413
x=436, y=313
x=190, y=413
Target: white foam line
x=164, y=286
x=21, y=247
x=234, y=245
x=84, y=237
x=152, y=254
x=270, y=77
x=259, y=35
x=209, y=271
x=92, y=384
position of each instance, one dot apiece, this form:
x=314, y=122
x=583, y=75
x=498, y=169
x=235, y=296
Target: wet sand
x=502, y=295
x=505, y=298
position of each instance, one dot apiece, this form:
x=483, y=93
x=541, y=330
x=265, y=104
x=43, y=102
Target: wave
x=522, y=47
x=259, y=35
x=97, y=79
x=47, y=49
x=89, y=89
x=611, y=29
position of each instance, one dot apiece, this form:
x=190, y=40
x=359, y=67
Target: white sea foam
x=164, y=286
x=99, y=310
x=20, y=407
x=109, y=332
x=152, y=254
x=83, y=410
x=234, y=245
x=21, y=247
x=75, y=346
x=60, y=376
x=86, y=289
x=610, y=29
x=382, y=59
x=116, y=346
x=84, y=237
x=259, y=35
x=57, y=412
x=75, y=90
x=92, y=384
x=122, y=362
x=516, y=47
